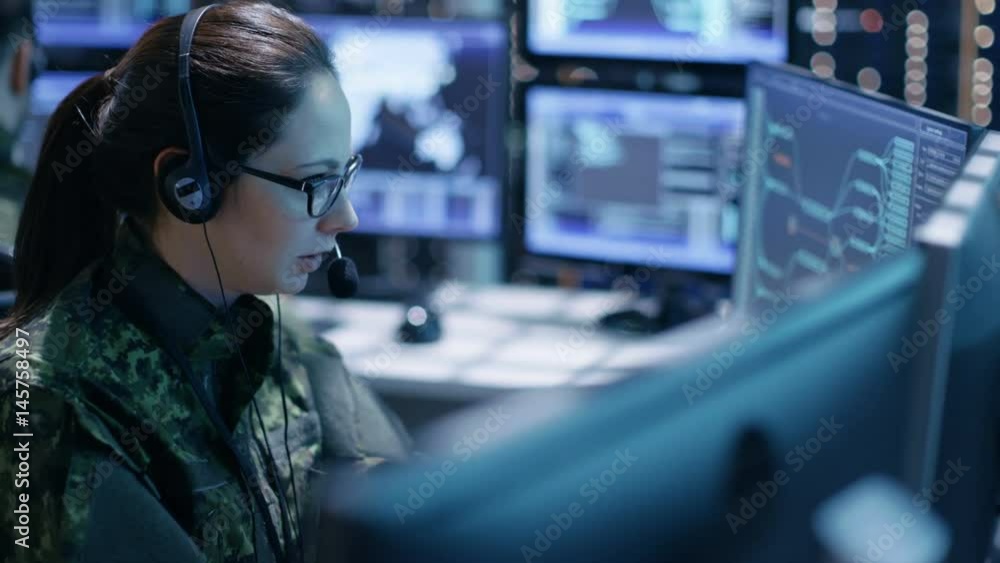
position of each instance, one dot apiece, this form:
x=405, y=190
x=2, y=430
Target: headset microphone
x=342, y=277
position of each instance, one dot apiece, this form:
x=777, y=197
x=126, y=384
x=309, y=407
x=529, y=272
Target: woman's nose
x=340, y=219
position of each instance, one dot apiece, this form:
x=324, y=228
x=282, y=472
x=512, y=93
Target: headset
x=188, y=195
x=185, y=189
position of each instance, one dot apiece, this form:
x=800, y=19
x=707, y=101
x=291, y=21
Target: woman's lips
x=311, y=262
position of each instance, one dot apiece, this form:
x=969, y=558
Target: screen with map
x=428, y=106
x=835, y=179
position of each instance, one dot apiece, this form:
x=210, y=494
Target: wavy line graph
x=884, y=201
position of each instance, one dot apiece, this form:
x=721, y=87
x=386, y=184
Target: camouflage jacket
x=117, y=452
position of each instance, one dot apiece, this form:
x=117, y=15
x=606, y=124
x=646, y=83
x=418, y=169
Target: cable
x=288, y=455
x=282, y=502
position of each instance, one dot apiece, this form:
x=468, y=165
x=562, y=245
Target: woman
x=167, y=412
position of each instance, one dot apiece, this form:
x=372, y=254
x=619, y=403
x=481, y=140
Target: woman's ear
x=167, y=160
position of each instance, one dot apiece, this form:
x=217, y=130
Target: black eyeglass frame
x=310, y=183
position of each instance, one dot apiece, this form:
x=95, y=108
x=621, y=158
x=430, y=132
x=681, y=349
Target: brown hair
x=250, y=62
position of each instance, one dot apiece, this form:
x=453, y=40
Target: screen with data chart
x=428, y=104
x=719, y=31
x=632, y=177
x=834, y=179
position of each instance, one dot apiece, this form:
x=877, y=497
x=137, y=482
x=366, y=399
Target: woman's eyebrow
x=331, y=162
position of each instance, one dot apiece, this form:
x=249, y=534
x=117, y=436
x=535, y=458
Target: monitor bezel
x=321, y=24
x=522, y=18
x=741, y=271
x=518, y=251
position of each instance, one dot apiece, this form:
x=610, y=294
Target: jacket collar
x=198, y=328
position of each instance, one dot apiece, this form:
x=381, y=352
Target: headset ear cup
x=199, y=203
x=171, y=172
x=169, y=166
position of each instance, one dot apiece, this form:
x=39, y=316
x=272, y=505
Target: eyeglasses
x=323, y=191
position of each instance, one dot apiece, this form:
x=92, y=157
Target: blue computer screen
x=428, y=105
x=727, y=31
x=46, y=92
x=835, y=179
x=632, y=177
x=428, y=101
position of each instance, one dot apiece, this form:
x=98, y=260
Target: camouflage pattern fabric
x=103, y=397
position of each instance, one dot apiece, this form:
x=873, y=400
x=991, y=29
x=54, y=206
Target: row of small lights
x=822, y=63
x=824, y=34
x=917, y=37
x=982, y=68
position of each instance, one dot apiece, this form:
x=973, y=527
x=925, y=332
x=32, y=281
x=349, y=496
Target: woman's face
x=265, y=228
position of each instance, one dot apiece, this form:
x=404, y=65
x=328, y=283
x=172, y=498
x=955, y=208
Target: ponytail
x=65, y=223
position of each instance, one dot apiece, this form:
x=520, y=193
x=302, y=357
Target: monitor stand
x=680, y=298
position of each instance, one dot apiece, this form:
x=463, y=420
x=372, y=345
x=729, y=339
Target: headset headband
x=196, y=160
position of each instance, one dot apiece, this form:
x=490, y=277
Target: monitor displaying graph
x=835, y=179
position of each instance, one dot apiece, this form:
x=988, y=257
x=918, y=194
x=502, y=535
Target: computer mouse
x=420, y=326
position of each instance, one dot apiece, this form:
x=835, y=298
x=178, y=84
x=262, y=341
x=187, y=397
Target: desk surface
x=499, y=338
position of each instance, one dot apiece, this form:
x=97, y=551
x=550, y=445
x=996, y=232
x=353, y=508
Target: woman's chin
x=293, y=283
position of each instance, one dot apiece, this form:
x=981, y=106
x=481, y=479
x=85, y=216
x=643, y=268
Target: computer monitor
x=717, y=31
x=728, y=456
x=833, y=179
x=648, y=471
x=631, y=177
x=429, y=101
x=81, y=32
x=47, y=91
